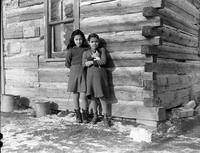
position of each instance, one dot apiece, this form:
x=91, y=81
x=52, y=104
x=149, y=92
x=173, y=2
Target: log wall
x=119, y=23
x=177, y=61
x=23, y=44
x=153, y=54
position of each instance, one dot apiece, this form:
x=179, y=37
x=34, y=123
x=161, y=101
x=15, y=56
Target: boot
x=106, y=121
x=84, y=115
x=94, y=119
x=78, y=116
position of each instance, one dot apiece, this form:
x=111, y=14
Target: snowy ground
x=53, y=134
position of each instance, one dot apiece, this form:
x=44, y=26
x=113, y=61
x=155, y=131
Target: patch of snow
x=122, y=128
x=140, y=135
x=137, y=134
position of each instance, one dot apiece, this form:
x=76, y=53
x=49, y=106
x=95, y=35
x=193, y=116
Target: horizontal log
x=180, y=53
x=186, y=6
x=132, y=76
x=154, y=124
x=127, y=93
x=173, y=19
x=168, y=80
x=53, y=63
x=117, y=23
x=196, y=3
x=162, y=89
x=164, y=83
x=31, y=32
x=20, y=32
x=138, y=112
x=195, y=94
x=118, y=76
x=21, y=84
x=170, y=35
x=124, y=46
x=13, y=33
x=112, y=7
x=130, y=93
x=54, y=75
x=24, y=46
x=53, y=92
x=162, y=60
x=169, y=99
x=22, y=91
x=168, y=47
x=21, y=76
x=172, y=68
x=26, y=3
x=37, y=24
x=134, y=36
x=115, y=59
x=183, y=8
x=33, y=46
x=12, y=47
x=22, y=61
x=24, y=14
x=126, y=59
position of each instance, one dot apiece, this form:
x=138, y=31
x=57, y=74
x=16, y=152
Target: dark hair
x=71, y=43
x=92, y=35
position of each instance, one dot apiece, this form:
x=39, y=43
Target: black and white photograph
x=100, y=76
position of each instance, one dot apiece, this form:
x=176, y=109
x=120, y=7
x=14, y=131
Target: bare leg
x=106, y=119
x=84, y=107
x=94, y=108
x=94, y=105
x=76, y=107
x=83, y=101
x=76, y=100
x=104, y=106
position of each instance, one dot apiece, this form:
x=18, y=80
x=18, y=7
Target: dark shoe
x=106, y=121
x=84, y=115
x=94, y=119
x=78, y=116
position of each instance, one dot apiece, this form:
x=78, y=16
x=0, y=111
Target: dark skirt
x=77, y=79
x=97, y=82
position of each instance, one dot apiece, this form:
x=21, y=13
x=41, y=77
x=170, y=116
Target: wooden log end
x=149, y=49
x=147, y=31
x=149, y=12
x=149, y=84
x=152, y=102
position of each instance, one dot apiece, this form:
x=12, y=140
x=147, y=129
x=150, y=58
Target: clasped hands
x=95, y=56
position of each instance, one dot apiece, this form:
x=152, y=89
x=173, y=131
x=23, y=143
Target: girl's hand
x=97, y=58
x=88, y=63
x=95, y=55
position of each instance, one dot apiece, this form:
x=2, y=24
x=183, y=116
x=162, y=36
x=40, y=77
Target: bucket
x=7, y=103
x=42, y=108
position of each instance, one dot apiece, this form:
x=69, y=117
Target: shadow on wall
x=111, y=66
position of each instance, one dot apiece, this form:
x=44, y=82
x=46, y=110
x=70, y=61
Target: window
x=62, y=17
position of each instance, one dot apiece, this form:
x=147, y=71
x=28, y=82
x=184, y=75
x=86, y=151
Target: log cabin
x=153, y=49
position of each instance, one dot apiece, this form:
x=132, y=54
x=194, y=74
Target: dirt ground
x=53, y=134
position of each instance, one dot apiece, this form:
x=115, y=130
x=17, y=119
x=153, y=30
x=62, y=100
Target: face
x=78, y=40
x=94, y=42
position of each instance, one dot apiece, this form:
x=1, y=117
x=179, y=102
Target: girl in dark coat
x=97, y=82
x=77, y=78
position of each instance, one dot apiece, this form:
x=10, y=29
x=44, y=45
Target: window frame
x=48, y=27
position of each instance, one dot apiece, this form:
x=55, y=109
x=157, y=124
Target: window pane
x=55, y=10
x=62, y=33
x=67, y=9
x=61, y=9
